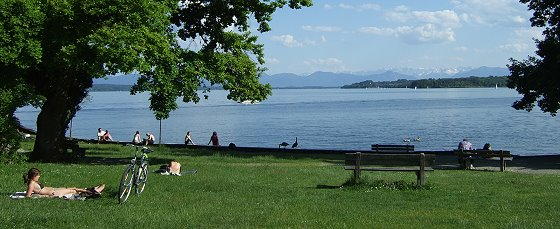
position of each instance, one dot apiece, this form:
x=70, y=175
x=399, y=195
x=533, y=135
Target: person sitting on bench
x=466, y=162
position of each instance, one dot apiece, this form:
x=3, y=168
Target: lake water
x=331, y=119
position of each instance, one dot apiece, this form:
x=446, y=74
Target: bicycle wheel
x=142, y=178
x=125, y=185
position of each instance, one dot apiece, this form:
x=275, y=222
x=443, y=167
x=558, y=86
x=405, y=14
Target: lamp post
x=160, y=132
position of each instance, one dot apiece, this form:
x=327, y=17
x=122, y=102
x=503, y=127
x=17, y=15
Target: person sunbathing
x=31, y=179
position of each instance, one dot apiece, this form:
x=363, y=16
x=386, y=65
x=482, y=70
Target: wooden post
x=357, y=170
x=421, y=176
x=502, y=161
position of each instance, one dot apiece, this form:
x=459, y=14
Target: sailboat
x=496, y=86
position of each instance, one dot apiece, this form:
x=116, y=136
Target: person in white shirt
x=150, y=140
x=100, y=134
x=188, y=139
x=466, y=163
x=137, y=140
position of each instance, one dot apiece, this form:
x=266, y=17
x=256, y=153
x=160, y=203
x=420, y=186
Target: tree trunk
x=52, y=123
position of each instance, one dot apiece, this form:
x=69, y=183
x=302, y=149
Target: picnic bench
x=466, y=157
x=418, y=163
x=377, y=148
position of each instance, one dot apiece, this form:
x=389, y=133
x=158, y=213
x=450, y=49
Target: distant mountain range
x=330, y=79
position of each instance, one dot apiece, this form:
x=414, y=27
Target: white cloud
x=323, y=39
x=522, y=40
x=327, y=64
x=420, y=26
x=370, y=6
x=516, y=47
x=428, y=33
x=287, y=40
x=492, y=12
x=272, y=60
x=309, y=42
x=445, y=18
x=461, y=48
x=377, y=31
x=529, y=33
x=356, y=7
x=345, y=6
x=321, y=28
x=399, y=14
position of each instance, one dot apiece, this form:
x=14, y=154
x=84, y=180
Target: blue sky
x=357, y=35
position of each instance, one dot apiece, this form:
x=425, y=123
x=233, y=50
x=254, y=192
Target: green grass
x=232, y=190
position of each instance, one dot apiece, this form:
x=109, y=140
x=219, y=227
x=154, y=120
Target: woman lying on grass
x=35, y=187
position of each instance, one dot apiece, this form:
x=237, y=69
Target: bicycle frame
x=135, y=174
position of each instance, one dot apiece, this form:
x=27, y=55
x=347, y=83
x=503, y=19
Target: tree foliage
x=538, y=78
x=54, y=50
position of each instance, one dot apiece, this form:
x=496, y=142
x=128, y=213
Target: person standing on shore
x=214, y=139
x=188, y=139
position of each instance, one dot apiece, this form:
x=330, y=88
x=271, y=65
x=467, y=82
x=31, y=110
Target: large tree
x=538, y=78
x=56, y=48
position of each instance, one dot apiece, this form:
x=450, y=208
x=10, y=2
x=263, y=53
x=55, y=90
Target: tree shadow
x=333, y=158
x=322, y=186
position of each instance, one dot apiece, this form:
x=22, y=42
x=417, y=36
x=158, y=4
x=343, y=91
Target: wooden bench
x=419, y=163
x=466, y=156
x=377, y=148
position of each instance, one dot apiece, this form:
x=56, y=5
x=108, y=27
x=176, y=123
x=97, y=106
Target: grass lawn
x=269, y=191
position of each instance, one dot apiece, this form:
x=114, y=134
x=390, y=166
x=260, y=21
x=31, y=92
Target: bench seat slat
x=389, y=159
x=404, y=169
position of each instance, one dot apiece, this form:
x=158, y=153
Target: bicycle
x=135, y=174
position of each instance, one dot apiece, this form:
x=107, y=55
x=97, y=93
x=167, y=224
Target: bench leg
x=502, y=164
x=421, y=178
x=357, y=173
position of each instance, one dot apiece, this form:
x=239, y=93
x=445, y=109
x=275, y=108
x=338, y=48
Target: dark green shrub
x=10, y=140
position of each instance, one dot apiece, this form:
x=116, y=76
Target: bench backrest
x=485, y=153
x=367, y=159
x=392, y=148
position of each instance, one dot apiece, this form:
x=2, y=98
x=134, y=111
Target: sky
x=356, y=35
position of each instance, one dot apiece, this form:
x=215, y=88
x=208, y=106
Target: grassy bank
x=264, y=191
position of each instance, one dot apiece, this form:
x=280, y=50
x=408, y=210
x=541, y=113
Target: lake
x=330, y=119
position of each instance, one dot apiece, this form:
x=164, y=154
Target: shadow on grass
x=362, y=184
x=116, y=160
x=327, y=158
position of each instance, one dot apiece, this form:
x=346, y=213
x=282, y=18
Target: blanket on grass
x=21, y=195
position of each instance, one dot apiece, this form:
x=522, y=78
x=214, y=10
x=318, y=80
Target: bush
x=10, y=140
